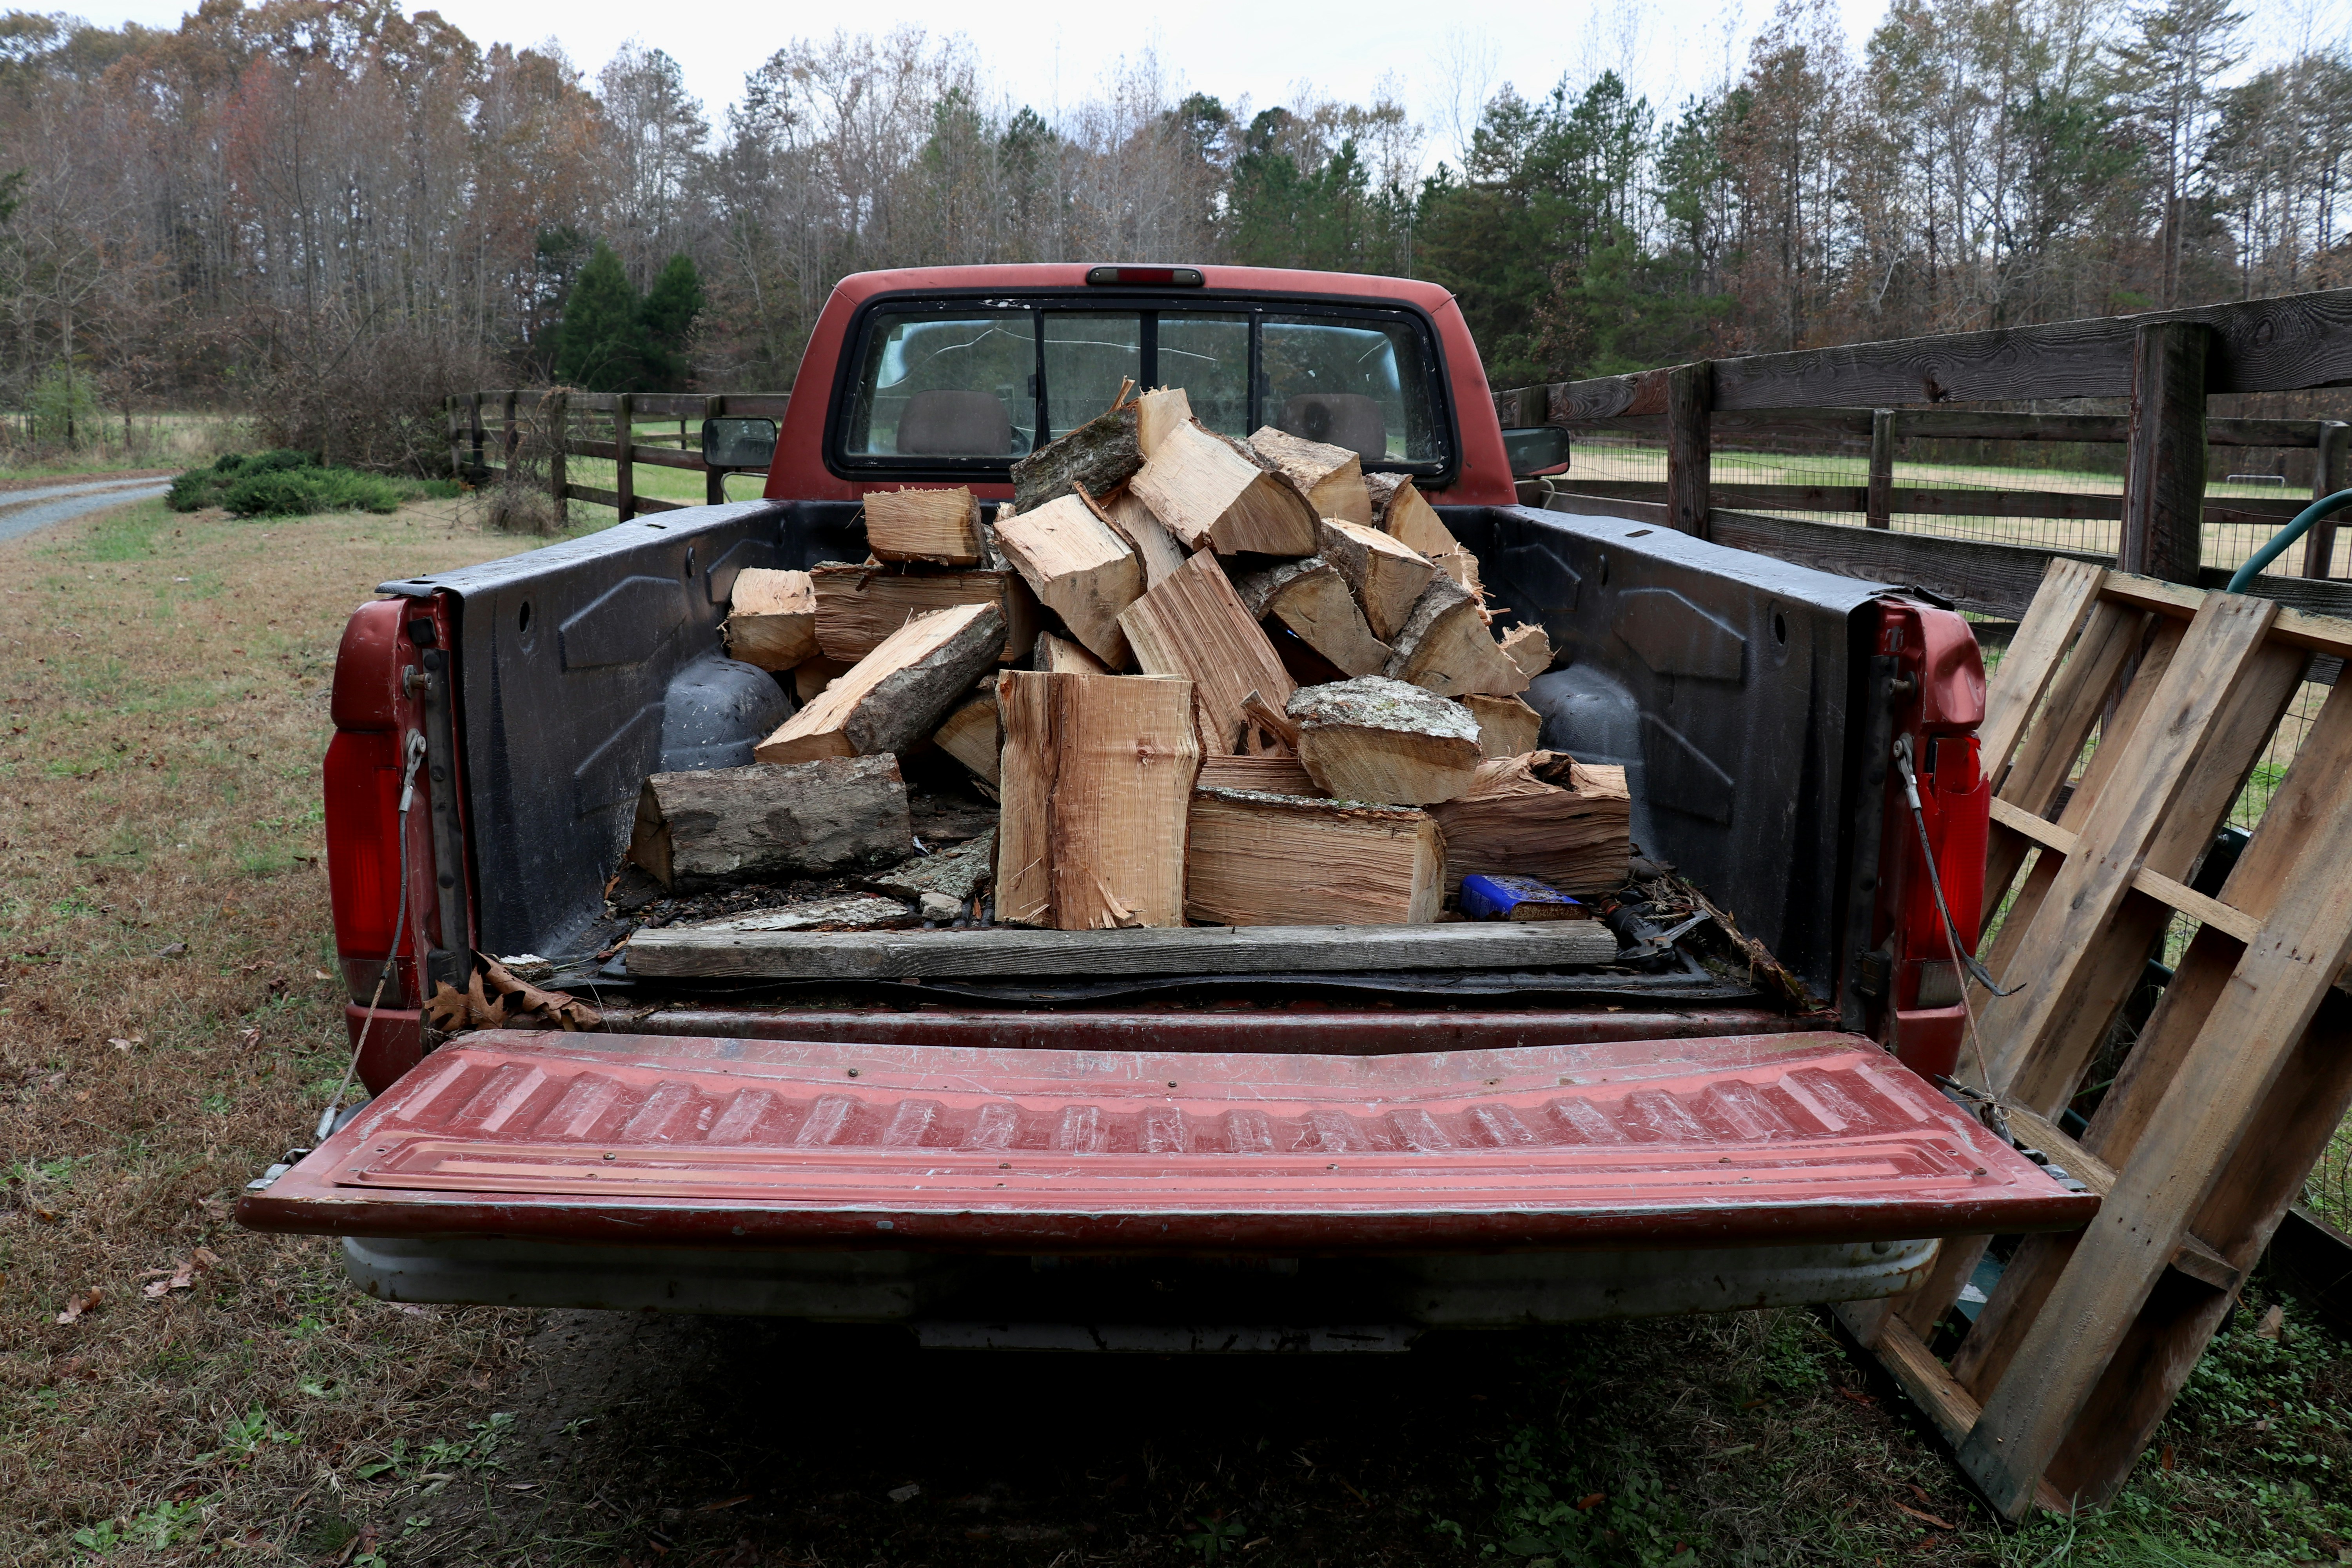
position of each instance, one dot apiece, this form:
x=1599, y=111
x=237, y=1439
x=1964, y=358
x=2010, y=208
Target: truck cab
x=1163, y=1161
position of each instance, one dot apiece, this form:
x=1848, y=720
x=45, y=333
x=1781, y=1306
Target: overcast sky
x=1232, y=48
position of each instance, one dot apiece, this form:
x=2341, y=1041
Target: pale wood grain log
x=940, y=526
x=860, y=606
x=1330, y=478
x=1193, y=624
x=897, y=695
x=1385, y=575
x=1404, y=514
x=772, y=618
x=1212, y=496
x=1311, y=598
x=1543, y=816
x=1269, y=859
x=1507, y=726
x=970, y=734
x=1385, y=742
x=1447, y=646
x=1079, y=567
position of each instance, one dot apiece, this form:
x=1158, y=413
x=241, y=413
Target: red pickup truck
x=1210, y=1160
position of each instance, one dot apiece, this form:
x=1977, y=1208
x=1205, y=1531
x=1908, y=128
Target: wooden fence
x=2167, y=364
x=566, y=424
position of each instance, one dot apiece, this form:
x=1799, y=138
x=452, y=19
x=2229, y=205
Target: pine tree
x=600, y=348
x=666, y=322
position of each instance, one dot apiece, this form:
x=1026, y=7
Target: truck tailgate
x=764, y=1143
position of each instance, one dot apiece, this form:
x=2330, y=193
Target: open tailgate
x=1770, y=1139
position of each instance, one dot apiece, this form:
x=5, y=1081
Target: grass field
x=167, y=1028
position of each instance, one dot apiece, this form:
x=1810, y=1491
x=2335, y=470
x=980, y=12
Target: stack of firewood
x=1209, y=680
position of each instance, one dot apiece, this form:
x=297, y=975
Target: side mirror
x=1540, y=449
x=738, y=442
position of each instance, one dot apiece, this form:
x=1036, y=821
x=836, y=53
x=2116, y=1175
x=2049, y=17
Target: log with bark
x=1153, y=544
x=1079, y=567
x=1385, y=576
x=897, y=695
x=1543, y=816
x=1098, y=772
x=1404, y=514
x=941, y=527
x=1330, y=478
x=1279, y=860
x=1507, y=726
x=1099, y=455
x=714, y=826
x=772, y=618
x=857, y=607
x=1444, y=646
x=959, y=873
x=1384, y=742
x=1212, y=496
x=1311, y=598
x=1193, y=624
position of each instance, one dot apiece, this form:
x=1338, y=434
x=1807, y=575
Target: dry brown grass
x=166, y=1029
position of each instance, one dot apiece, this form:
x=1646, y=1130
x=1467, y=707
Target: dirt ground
x=174, y=1390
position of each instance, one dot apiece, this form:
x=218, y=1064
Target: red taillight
x=362, y=810
x=1160, y=277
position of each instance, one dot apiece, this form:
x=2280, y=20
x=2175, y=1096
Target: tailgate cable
x=399, y=930
x=1962, y=958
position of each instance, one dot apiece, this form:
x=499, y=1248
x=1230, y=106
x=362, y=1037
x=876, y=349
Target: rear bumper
x=1145, y=1304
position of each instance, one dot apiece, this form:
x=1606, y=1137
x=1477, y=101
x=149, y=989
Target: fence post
x=1690, y=396
x=456, y=442
x=2330, y=472
x=714, y=480
x=474, y=434
x=625, y=477
x=1880, y=512
x=513, y=429
x=2164, y=475
x=559, y=419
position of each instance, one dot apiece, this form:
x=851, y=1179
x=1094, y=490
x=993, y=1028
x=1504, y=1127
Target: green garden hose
x=2286, y=536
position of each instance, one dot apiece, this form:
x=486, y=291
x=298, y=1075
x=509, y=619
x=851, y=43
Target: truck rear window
x=939, y=387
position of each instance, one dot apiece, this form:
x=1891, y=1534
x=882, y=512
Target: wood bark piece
x=969, y=732
x=1544, y=816
x=1193, y=624
x=1311, y=598
x=959, y=873
x=1385, y=576
x=1153, y=544
x=772, y=618
x=713, y=825
x=1273, y=773
x=1271, y=859
x=1404, y=514
x=845, y=912
x=811, y=676
x=1325, y=947
x=1100, y=455
x=1330, y=478
x=896, y=695
x=938, y=526
x=1528, y=648
x=1507, y=726
x=1098, y=774
x=1382, y=740
x=1444, y=646
x=1060, y=656
x=858, y=606
x=1156, y=412
x=1079, y=567
x=1212, y=496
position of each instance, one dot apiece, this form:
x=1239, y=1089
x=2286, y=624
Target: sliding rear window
x=941, y=389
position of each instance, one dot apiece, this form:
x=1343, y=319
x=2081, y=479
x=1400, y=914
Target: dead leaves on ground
x=81, y=1301
x=495, y=999
x=163, y=1281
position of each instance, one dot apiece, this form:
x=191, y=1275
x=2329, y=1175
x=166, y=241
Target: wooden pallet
x=2237, y=1080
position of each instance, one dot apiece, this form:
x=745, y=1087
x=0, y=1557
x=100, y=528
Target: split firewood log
x=1097, y=777
x=857, y=607
x=1330, y=478
x=938, y=526
x=969, y=732
x=812, y=675
x=1193, y=624
x=772, y=618
x=1507, y=726
x=1544, y=816
x=710, y=827
x=1152, y=544
x=1079, y=568
x=1528, y=646
x=1281, y=859
x=1274, y=772
x=1404, y=514
x=1060, y=656
x=1311, y=598
x=1099, y=455
x=1444, y=646
x=1381, y=741
x=1212, y=496
x=895, y=696
x=1385, y=576
x=1156, y=412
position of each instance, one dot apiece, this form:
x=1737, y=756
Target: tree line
x=336, y=212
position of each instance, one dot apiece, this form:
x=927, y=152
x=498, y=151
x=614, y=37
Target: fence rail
x=565, y=415
x=2168, y=364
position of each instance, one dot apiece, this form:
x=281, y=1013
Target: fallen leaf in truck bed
x=494, y=999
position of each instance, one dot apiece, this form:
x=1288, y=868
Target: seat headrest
x=955, y=425
x=1347, y=419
